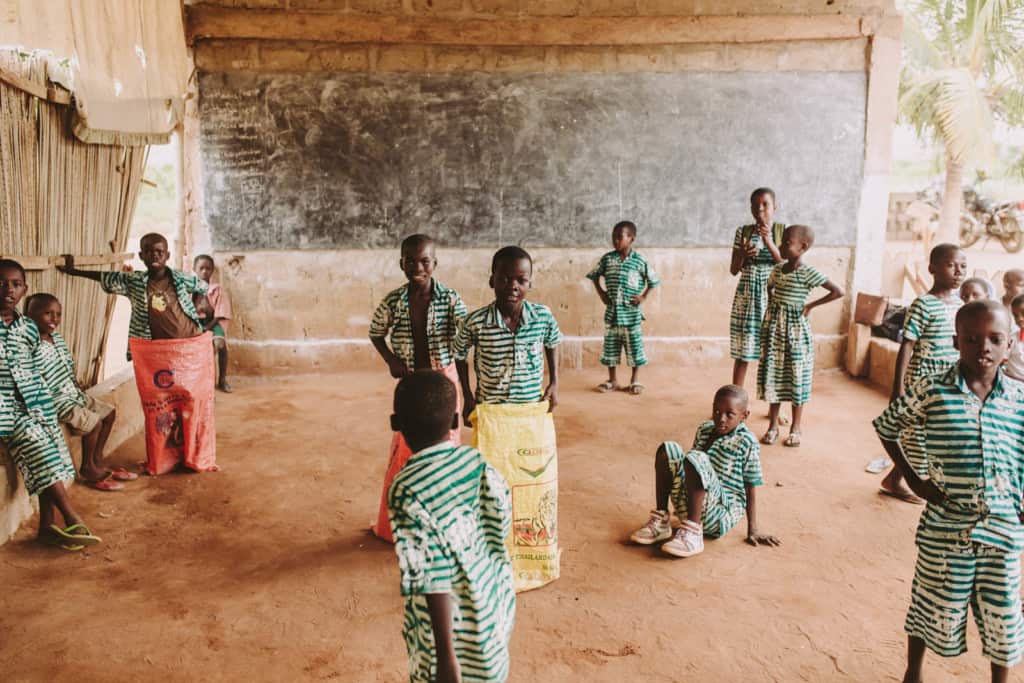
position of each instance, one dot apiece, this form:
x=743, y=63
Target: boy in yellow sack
x=511, y=338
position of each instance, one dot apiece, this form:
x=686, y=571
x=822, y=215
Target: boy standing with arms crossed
x=970, y=536
x=450, y=512
x=628, y=279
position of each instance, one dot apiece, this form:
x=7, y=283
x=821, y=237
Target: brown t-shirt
x=166, y=319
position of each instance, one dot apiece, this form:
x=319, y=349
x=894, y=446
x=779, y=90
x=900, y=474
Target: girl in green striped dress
x=786, y=365
x=28, y=420
x=927, y=349
x=754, y=254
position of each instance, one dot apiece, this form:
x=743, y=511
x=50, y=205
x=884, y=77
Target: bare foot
x=225, y=387
x=91, y=474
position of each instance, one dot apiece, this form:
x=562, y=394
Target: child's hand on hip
x=397, y=368
x=807, y=310
x=637, y=300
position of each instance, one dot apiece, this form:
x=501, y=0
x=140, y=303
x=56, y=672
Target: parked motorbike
x=981, y=217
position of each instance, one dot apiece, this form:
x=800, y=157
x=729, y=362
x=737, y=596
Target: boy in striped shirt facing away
x=508, y=336
x=628, y=279
x=971, y=535
x=450, y=513
x=84, y=415
x=712, y=486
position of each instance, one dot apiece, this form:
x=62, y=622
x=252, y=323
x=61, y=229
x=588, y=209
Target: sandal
x=605, y=387
x=68, y=534
x=793, y=440
x=770, y=437
x=121, y=474
x=104, y=484
x=636, y=388
x=57, y=542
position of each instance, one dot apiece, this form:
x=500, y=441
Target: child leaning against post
x=970, y=535
x=83, y=414
x=450, y=512
x=509, y=411
x=628, y=279
x=170, y=354
x=214, y=309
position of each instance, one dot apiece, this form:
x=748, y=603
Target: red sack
x=175, y=381
x=400, y=455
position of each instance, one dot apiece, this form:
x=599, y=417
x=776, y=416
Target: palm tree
x=963, y=69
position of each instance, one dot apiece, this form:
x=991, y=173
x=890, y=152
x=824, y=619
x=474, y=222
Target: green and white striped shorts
x=618, y=337
x=948, y=577
x=719, y=514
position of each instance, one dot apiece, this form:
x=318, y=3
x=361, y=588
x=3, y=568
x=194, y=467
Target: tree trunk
x=952, y=200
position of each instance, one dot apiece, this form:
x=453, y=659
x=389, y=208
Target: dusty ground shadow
x=264, y=571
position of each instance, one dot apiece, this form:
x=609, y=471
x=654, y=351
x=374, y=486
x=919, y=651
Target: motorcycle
x=981, y=217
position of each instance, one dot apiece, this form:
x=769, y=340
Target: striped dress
x=57, y=368
x=509, y=367
x=732, y=463
x=931, y=324
x=451, y=512
x=444, y=316
x=751, y=298
x=33, y=436
x=969, y=548
x=786, y=367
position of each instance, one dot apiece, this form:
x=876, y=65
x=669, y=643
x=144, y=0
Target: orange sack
x=400, y=455
x=175, y=381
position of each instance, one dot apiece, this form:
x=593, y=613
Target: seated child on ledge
x=712, y=485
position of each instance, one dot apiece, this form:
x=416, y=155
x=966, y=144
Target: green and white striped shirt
x=57, y=368
x=134, y=285
x=450, y=513
x=509, y=367
x=736, y=459
x=791, y=289
x=975, y=456
x=624, y=279
x=444, y=316
x=23, y=388
x=930, y=322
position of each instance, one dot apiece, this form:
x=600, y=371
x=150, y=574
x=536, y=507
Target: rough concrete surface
x=264, y=571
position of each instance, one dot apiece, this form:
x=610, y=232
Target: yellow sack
x=518, y=440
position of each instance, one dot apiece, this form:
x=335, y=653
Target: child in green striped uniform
x=754, y=254
x=712, y=486
x=84, y=415
x=786, y=366
x=628, y=279
x=28, y=421
x=508, y=336
x=970, y=536
x=450, y=512
x=926, y=349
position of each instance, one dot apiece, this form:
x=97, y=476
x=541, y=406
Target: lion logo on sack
x=540, y=528
x=163, y=379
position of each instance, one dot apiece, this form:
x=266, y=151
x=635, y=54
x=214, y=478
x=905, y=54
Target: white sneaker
x=658, y=528
x=688, y=541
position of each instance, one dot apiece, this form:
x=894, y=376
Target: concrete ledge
x=285, y=356
x=119, y=391
x=882, y=362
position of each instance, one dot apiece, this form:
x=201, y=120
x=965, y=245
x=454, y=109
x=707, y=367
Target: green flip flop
x=68, y=534
x=57, y=542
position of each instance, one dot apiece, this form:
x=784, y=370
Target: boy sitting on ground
x=712, y=485
x=450, y=514
x=84, y=415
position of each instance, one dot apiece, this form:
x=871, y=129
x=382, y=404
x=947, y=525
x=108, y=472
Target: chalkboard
x=324, y=160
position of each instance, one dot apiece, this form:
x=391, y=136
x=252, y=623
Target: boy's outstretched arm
x=440, y=607
x=551, y=393
x=924, y=488
x=754, y=537
x=69, y=269
x=834, y=292
x=468, y=397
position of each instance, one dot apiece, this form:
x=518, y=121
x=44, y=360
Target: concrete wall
x=307, y=310
x=119, y=391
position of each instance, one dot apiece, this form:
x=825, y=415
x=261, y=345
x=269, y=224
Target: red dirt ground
x=265, y=571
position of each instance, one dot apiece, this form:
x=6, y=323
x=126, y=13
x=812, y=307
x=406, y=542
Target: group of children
x=39, y=390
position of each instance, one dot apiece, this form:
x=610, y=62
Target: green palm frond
x=964, y=117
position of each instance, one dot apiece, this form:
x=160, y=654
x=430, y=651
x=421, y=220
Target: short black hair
x=1017, y=301
x=39, y=300
x=760, y=191
x=803, y=231
x=974, y=309
x=510, y=254
x=981, y=282
x=425, y=403
x=202, y=257
x=628, y=226
x=732, y=391
x=413, y=242
x=941, y=250
x=6, y=263
x=153, y=237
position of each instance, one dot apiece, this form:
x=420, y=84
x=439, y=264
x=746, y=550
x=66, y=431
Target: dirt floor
x=265, y=570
